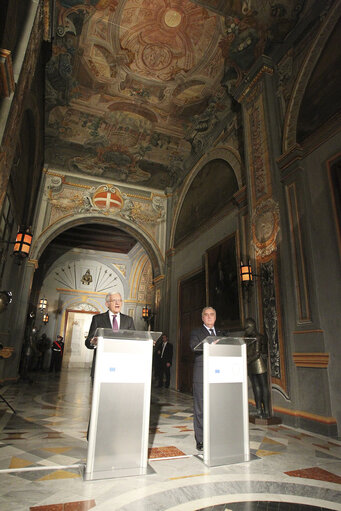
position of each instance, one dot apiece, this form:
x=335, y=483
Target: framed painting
x=222, y=284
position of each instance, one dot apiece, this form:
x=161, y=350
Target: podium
x=119, y=422
x=226, y=414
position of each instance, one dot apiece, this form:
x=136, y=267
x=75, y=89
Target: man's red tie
x=114, y=323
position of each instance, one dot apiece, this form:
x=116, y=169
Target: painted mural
x=136, y=90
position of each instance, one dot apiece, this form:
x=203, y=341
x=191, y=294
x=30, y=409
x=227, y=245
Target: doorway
x=192, y=300
x=76, y=354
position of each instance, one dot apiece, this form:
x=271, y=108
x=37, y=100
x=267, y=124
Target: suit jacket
x=167, y=354
x=103, y=321
x=198, y=335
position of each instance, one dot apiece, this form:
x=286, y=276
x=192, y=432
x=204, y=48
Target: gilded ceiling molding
x=314, y=53
x=250, y=91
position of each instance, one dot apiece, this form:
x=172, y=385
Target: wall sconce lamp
x=148, y=316
x=22, y=244
x=146, y=313
x=45, y=318
x=246, y=274
x=43, y=305
x=248, y=278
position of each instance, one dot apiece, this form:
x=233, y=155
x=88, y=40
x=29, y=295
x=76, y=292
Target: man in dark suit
x=208, y=316
x=113, y=319
x=165, y=353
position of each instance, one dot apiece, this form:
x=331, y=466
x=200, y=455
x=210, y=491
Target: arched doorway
x=77, y=269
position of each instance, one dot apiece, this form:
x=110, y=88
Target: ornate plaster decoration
x=63, y=202
x=83, y=307
x=265, y=227
x=144, y=213
x=258, y=144
x=71, y=276
x=122, y=268
x=271, y=318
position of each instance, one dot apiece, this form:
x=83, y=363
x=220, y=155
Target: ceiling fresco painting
x=136, y=90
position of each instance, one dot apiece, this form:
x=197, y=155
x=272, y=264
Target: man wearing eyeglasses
x=207, y=328
x=113, y=319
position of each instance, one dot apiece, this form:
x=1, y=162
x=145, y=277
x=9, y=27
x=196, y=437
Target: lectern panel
x=119, y=424
x=226, y=427
x=119, y=435
x=226, y=433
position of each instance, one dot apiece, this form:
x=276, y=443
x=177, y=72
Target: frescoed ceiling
x=137, y=89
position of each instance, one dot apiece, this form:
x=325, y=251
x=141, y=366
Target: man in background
x=165, y=354
x=57, y=349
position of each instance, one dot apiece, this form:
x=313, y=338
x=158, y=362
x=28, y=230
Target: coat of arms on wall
x=265, y=227
x=107, y=198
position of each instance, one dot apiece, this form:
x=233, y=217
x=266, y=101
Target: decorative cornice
x=34, y=263
x=262, y=66
x=170, y=252
x=79, y=291
x=318, y=360
x=240, y=197
x=316, y=331
x=7, y=84
x=295, y=153
x=159, y=279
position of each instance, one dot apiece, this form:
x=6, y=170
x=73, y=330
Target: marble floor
x=43, y=451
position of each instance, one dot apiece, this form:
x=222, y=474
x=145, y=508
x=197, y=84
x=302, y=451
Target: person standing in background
x=165, y=353
x=57, y=349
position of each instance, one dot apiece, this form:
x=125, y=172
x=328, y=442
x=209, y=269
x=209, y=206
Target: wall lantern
x=146, y=313
x=246, y=276
x=43, y=304
x=22, y=243
x=45, y=318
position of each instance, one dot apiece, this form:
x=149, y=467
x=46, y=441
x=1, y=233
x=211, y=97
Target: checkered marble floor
x=43, y=451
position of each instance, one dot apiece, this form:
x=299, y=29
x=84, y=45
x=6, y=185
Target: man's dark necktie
x=114, y=323
x=211, y=331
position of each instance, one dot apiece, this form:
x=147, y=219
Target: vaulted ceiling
x=136, y=88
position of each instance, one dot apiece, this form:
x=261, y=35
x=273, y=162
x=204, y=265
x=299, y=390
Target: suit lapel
x=122, y=321
x=205, y=332
x=107, y=320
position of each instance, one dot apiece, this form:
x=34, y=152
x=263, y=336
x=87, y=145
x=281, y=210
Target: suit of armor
x=257, y=367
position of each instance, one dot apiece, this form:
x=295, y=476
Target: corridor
x=43, y=450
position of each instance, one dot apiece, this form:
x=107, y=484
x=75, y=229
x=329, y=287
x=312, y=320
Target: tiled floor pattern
x=43, y=450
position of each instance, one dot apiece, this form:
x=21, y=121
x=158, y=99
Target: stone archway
x=49, y=234
x=232, y=177
x=291, y=117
